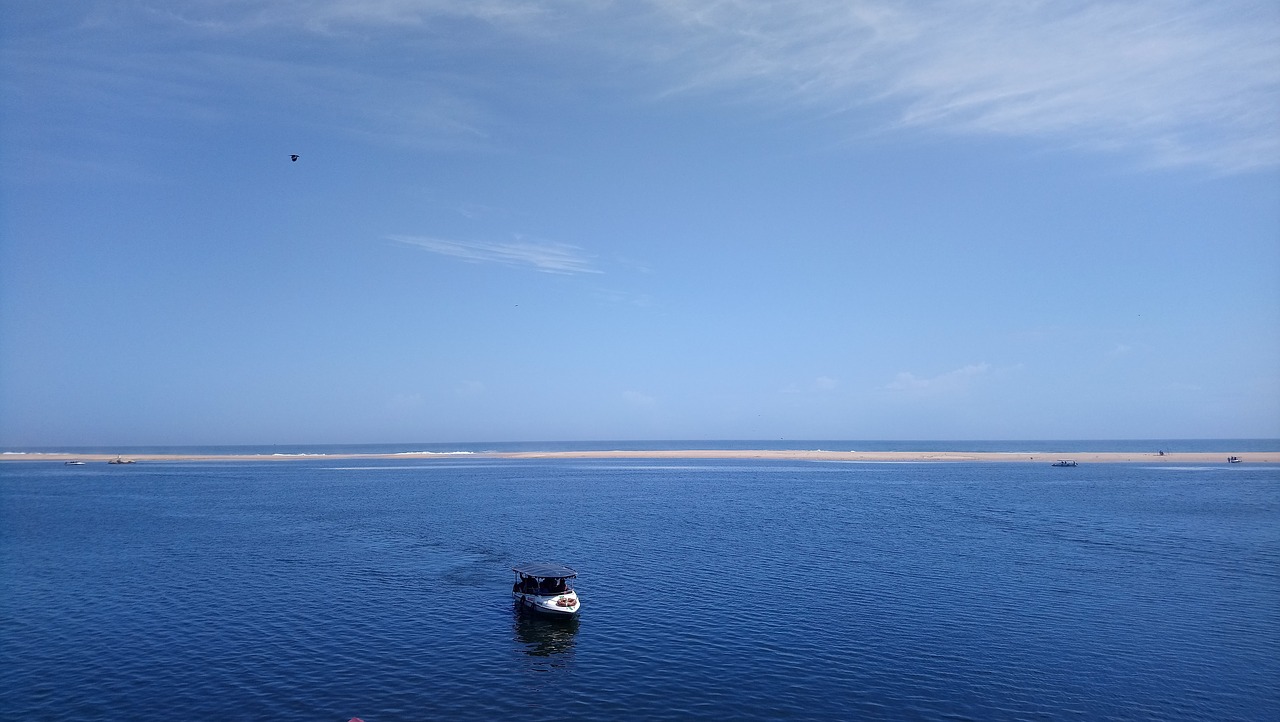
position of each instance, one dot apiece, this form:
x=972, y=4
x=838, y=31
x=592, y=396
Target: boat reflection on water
x=549, y=637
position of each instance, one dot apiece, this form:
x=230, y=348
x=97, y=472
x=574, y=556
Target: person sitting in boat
x=557, y=586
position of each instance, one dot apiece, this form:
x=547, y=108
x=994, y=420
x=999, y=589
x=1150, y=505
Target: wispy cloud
x=201, y=83
x=547, y=257
x=1178, y=81
x=341, y=16
x=822, y=384
x=635, y=398
x=1168, y=82
x=949, y=382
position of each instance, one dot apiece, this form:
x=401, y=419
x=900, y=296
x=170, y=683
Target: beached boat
x=1065, y=462
x=545, y=588
x=118, y=460
x=1233, y=460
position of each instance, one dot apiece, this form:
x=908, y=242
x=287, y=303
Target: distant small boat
x=118, y=460
x=74, y=463
x=1066, y=462
x=1233, y=460
x=545, y=588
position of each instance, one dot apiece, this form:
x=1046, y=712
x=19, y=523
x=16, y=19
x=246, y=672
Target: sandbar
x=1246, y=457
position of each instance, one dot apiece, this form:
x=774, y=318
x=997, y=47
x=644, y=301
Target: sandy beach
x=1268, y=457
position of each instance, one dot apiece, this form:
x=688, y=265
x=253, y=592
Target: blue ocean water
x=325, y=589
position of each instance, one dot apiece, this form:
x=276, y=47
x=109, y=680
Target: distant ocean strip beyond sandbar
x=1255, y=457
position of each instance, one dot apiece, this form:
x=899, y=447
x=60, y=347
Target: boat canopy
x=545, y=570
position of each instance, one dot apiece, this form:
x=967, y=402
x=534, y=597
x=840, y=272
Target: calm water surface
x=322, y=590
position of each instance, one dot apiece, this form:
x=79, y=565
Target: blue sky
x=658, y=219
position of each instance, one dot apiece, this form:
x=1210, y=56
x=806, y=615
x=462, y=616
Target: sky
x=522, y=220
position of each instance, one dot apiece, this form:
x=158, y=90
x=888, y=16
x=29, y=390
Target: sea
x=324, y=588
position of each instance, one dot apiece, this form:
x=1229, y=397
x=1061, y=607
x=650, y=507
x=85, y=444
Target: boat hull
x=551, y=605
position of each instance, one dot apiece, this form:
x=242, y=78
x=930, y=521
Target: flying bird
x=294, y=157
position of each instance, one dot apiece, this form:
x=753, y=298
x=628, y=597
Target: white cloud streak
x=1176, y=81
x=560, y=258
x=820, y=385
x=1167, y=82
x=635, y=398
x=945, y=383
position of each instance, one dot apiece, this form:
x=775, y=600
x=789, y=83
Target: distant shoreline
x=1254, y=457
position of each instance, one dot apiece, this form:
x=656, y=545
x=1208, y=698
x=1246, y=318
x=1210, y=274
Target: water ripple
x=720, y=590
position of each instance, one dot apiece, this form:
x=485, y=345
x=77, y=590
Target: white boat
x=73, y=463
x=545, y=588
x=1233, y=460
x=1065, y=462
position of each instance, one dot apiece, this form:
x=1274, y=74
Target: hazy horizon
x=1129, y=445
